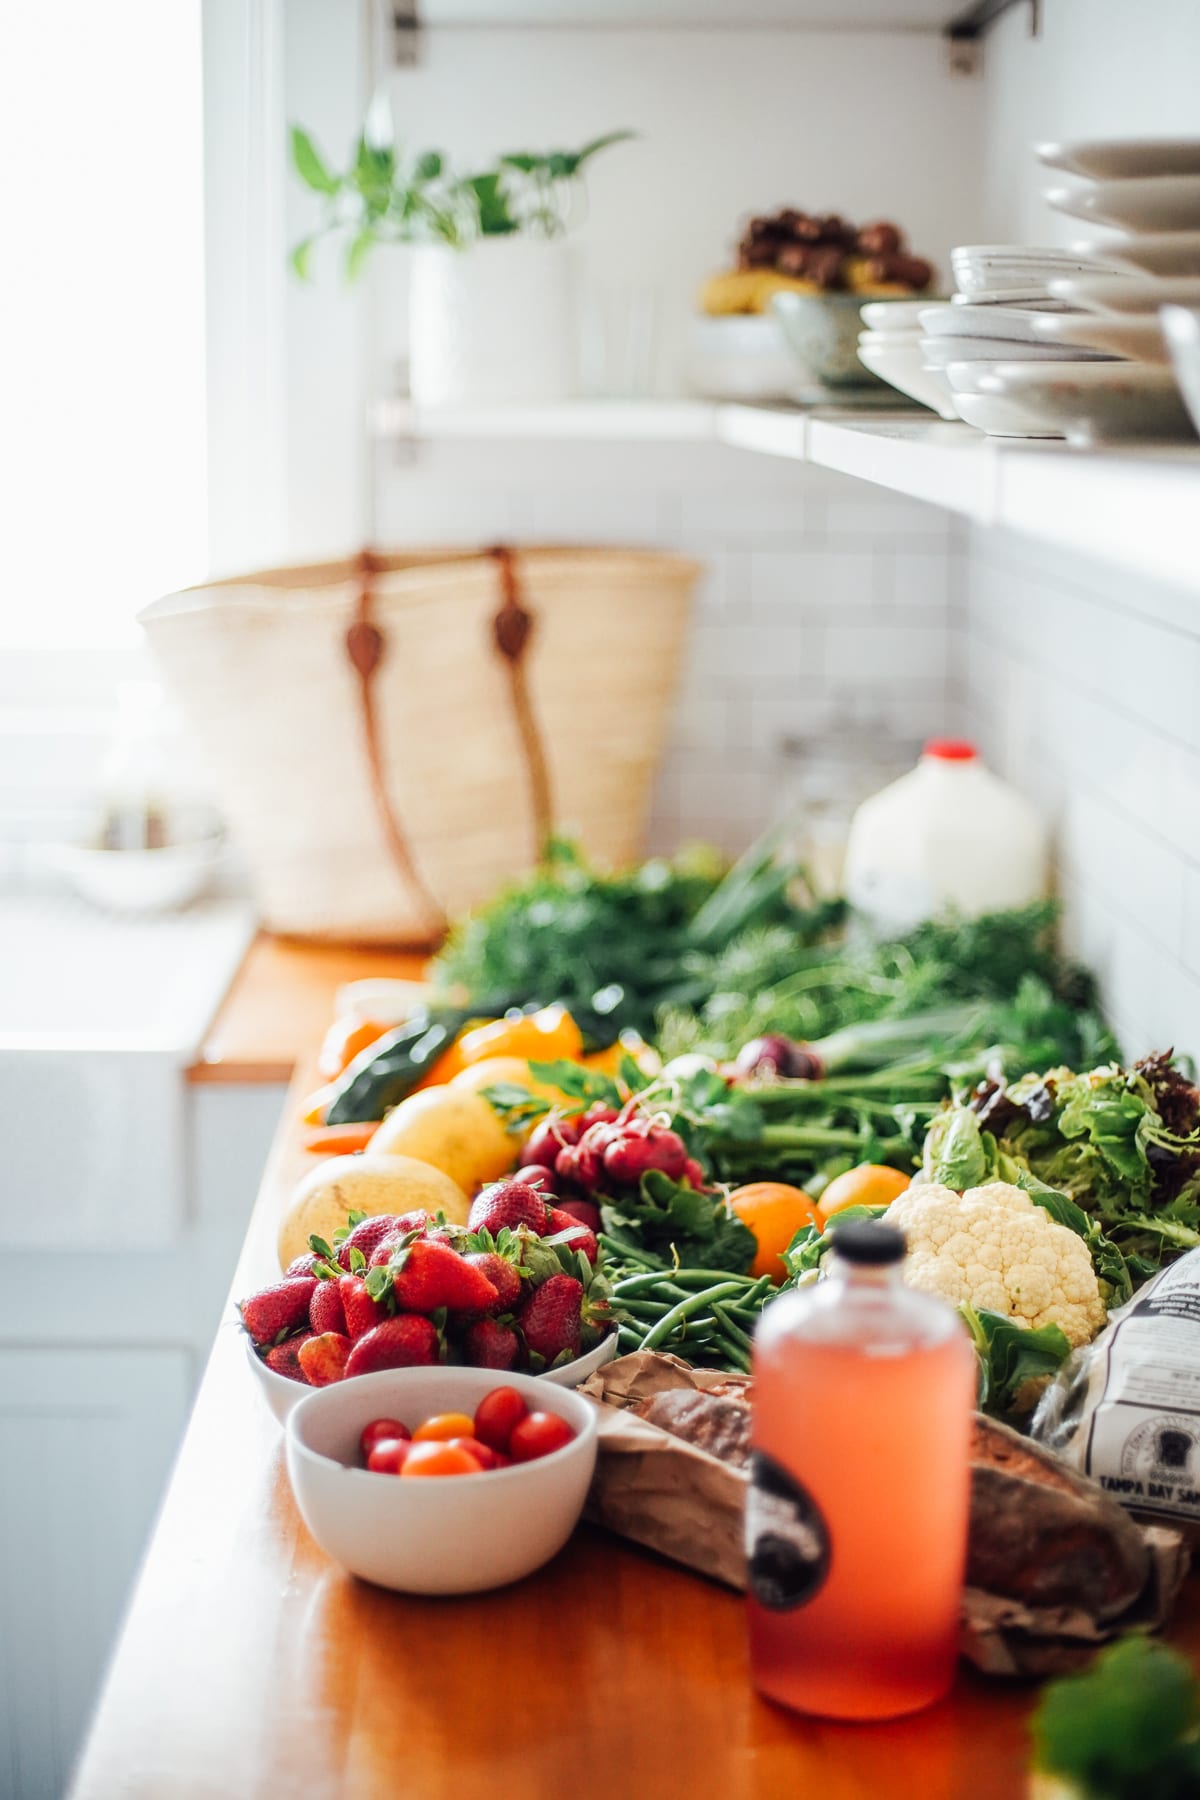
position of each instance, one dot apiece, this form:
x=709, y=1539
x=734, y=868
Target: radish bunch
x=601, y=1153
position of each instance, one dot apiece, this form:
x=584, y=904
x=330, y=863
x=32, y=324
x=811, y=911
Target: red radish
x=533, y=1175
x=585, y=1211
x=694, y=1175
x=323, y=1358
x=547, y=1139
x=642, y=1146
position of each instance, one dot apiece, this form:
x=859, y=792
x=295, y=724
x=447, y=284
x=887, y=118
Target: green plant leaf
x=601, y=143
x=524, y=161
x=361, y=245
x=495, y=216
x=310, y=165
x=301, y=257
x=429, y=166
x=1126, y=1726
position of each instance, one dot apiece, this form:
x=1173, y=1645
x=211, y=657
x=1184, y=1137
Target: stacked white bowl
x=891, y=348
x=1004, y=297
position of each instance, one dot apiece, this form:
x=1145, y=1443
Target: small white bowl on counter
x=281, y=1393
x=450, y=1534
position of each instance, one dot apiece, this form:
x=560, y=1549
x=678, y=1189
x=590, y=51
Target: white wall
x=1099, y=69
x=728, y=122
x=1082, y=685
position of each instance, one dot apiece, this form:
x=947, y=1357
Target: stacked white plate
x=891, y=348
x=996, y=317
x=1148, y=192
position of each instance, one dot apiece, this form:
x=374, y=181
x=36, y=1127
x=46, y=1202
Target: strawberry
x=404, y=1342
x=366, y=1234
x=278, y=1310
x=326, y=1311
x=285, y=1358
x=429, y=1275
x=303, y=1265
x=324, y=1358
x=581, y=1238
x=490, y=1345
x=503, y=1277
x=419, y=1222
x=642, y=1145
x=551, y=1320
x=582, y=1210
x=362, y=1312
x=507, y=1203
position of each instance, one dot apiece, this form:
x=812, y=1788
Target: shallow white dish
x=1000, y=418
x=1033, y=296
x=1094, y=403
x=1127, y=294
x=902, y=367
x=893, y=315
x=1181, y=327
x=455, y=1534
x=1015, y=323
x=1112, y=159
x=1131, y=335
x=940, y=352
x=138, y=881
x=739, y=359
x=991, y=268
x=1152, y=252
x=880, y=338
x=281, y=1393
x=1150, y=203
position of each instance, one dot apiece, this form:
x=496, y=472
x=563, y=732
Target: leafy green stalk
x=1128, y=1728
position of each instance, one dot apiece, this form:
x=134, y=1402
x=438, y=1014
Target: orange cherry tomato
x=550, y=1035
x=443, y=1426
x=346, y=1039
x=434, y=1458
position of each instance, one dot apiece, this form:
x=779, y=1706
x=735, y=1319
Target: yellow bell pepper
x=550, y=1035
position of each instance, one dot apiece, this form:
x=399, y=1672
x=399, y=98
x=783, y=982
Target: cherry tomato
x=389, y=1455
x=484, y=1456
x=496, y=1415
x=538, y=1435
x=377, y=1430
x=435, y=1457
x=445, y=1426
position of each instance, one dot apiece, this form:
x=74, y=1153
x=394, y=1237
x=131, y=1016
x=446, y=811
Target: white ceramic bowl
x=281, y=1393
x=1151, y=252
x=1094, y=403
x=1135, y=336
x=1127, y=293
x=893, y=315
x=902, y=367
x=1016, y=324
x=1181, y=327
x=742, y=358
x=995, y=268
x=138, y=881
x=1000, y=418
x=1143, y=203
x=938, y=352
x=1110, y=159
x=454, y=1534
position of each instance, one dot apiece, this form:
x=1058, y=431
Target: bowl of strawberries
x=520, y=1288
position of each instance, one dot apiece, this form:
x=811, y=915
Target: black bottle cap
x=869, y=1241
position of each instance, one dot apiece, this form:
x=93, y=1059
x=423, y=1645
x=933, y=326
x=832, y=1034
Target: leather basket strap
x=512, y=628
x=366, y=647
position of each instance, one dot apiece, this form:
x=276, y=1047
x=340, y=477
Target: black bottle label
x=787, y=1540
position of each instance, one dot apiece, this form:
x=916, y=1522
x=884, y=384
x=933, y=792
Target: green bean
x=733, y=1329
x=678, y=1313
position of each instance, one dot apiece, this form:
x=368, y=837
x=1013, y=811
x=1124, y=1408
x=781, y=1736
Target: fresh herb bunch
x=618, y=947
x=1128, y=1728
x=386, y=197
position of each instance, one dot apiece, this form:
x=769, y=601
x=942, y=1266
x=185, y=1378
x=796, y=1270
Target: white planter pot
x=491, y=323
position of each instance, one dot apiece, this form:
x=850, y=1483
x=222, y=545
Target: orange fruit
x=453, y=1129
x=774, y=1212
x=870, y=1184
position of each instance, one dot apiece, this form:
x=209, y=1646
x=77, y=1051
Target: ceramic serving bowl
x=1181, y=326
x=451, y=1534
x=1151, y=252
x=1127, y=293
x=1016, y=324
x=822, y=335
x=281, y=1393
x=1138, y=203
x=997, y=415
x=739, y=359
x=1093, y=403
x=1136, y=336
x=1016, y=268
x=902, y=366
x=941, y=351
x=139, y=881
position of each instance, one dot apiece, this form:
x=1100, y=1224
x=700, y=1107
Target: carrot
x=340, y=1140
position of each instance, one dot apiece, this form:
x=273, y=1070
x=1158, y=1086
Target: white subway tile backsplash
x=814, y=580
x=887, y=654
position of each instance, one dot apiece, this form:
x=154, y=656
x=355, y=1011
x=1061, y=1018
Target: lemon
x=453, y=1129
x=513, y=1071
x=367, y=1184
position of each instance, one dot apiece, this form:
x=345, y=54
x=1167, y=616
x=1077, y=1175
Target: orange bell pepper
x=547, y=1036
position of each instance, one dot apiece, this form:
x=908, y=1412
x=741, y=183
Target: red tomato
x=445, y=1426
x=389, y=1455
x=435, y=1457
x=485, y=1457
x=377, y=1430
x=538, y=1435
x=496, y=1415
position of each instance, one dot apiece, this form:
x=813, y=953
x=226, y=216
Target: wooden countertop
x=249, y=1667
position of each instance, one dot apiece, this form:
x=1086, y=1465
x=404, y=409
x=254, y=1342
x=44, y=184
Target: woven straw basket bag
x=392, y=737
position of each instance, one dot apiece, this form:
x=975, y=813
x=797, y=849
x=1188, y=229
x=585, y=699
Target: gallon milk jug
x=948, y=836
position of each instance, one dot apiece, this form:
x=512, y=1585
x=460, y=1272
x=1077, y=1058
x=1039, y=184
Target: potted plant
x=490, y=313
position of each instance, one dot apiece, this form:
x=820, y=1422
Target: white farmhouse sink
x=99, y=1016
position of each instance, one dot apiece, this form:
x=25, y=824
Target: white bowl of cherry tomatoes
x=441, y=1480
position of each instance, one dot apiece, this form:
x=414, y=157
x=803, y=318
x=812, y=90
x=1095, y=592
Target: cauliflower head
x=993, y=1248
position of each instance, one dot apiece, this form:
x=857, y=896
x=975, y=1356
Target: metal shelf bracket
x=966, y=31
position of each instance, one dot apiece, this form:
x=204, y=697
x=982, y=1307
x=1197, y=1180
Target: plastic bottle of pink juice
x=856, y=1526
